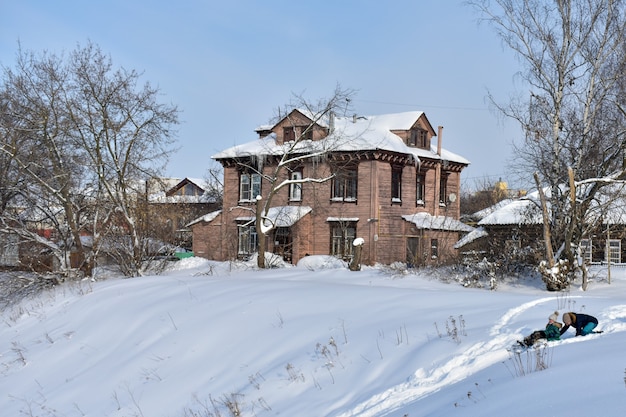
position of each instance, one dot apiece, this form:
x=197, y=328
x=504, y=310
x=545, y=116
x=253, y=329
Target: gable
x=297, y=125
x=185, y=188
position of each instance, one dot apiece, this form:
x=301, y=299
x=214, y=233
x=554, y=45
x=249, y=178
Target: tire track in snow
x=424, y=382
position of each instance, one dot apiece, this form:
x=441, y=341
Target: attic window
x=418, y=138
x=306, y=132
x=188, y=190
x=297, y=132
x=289, y=134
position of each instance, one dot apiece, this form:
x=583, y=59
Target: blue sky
x=228, y=65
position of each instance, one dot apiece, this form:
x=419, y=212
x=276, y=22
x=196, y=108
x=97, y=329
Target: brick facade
x=375, y=213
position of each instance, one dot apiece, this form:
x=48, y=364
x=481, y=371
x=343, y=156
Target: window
x=434, y=248
x=289, y=133
x=443, y=189
x=396, y=184
x=614, y=248
x=342, y=235
x=585, y=250
x=412, y=251
x=344, y=185
x=249, y=186
x=283, y=243
x=420, y=188
x=419, y=138
x=295, y=189
x=306, y=132
x=189, y=190
x=247, y=240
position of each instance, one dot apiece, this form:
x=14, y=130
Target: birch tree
x=572, y=59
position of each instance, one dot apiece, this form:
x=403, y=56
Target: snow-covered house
x=514, y=228
x=174, y=202
x=387, y=183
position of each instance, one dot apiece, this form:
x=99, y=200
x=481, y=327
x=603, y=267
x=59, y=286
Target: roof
x=526, y=210
x=475, y=234
x=287, y=216
x=350, y=134
x=161, y=188
x=207, y=218
x=608, y=206
x=281, y=216
x=428, y=221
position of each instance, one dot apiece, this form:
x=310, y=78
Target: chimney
x=331, y=122
x=439, y=134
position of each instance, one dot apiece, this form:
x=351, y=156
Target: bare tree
x=37, y=119
x=310, y=125
x=572, y=54
x=125, y=135
x=213, y=181
x=94, y=136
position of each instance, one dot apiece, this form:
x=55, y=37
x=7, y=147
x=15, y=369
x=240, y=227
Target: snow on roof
x=608, y=206
x=350, y=134
x=281, y=216
x=428, y=221
x=522, y=211
x=287, y=216
x=207, y=218
x=158, y=189
x=481, y=214
x=477, y=233
x=342, y=219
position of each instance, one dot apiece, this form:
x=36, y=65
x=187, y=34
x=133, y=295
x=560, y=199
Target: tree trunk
x=546, y=224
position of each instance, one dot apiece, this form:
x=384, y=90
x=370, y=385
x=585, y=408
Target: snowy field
x=210, y=339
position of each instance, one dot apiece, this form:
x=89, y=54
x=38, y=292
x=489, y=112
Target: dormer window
x=297, y=132
x=418, y=138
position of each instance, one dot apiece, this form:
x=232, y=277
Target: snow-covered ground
x=312, y=341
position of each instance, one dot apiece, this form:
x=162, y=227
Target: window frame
x=443, y=189
x=420, y=188
x=289, y=134
x=396, y=184
x=344, y=185
x=247, y=244
x=295, y=189
x=434, y=248
x=342, y=235
x=614, y=251
x=252, y=183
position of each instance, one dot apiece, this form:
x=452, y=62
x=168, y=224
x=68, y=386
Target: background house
x=513, y=229
x=175, y=202
x=388, y=184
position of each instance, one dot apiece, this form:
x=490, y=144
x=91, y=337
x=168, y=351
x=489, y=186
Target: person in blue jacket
x=583, y=323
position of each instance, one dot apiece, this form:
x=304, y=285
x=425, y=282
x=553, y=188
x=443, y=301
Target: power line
x=422, y=105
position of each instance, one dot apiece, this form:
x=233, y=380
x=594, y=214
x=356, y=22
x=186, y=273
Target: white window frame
x=614, y=248
x=247, y=239
x=295, y=189
x=249, y=186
